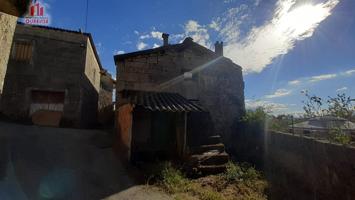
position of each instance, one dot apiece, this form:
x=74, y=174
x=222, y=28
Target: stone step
x=210, y=158
x=216, y=159
x=211, y=169
x=206, y=148
x=215, y=139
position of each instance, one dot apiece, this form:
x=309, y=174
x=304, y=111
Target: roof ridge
x=54, y=28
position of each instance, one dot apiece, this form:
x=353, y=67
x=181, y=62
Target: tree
x=341, y=106
x=312, y=105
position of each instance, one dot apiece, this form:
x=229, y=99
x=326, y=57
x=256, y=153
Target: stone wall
x=92, y=69
x=106, y=114
x=304, y=168
x=7, y=29
x=57, y=64
x=219, y=86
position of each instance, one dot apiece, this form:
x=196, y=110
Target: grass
x=240, y=182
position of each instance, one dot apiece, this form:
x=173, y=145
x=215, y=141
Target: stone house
x=53, y=77
x=192, y=71
x=105, y=112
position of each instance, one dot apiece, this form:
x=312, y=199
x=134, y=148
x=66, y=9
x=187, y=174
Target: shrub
x=337, y=135
x=173, y=180
x=240, y=173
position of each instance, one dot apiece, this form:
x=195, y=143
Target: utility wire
x=86, y=15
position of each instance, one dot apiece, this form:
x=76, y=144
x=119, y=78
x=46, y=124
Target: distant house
x=106, y=107
x=321, y=126
x=53, y=77
x=198, y=76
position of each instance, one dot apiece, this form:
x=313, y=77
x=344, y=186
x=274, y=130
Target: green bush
x=337, y=135
x=240, y=173
x=173, y=180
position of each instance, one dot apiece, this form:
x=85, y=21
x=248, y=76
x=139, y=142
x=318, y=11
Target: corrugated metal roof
x=161, y=101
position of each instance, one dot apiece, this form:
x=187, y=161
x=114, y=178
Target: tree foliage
x=339, y=106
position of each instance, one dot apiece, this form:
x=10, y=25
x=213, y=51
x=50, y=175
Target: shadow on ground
x=51, y=163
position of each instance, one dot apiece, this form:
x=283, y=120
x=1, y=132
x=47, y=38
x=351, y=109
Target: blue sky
x=284, y=46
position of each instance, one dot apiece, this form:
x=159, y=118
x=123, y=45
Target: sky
x=283, y=46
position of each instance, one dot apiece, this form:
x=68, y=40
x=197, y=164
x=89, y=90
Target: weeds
x=238, y=182
x=173, y=180
x=240, y=173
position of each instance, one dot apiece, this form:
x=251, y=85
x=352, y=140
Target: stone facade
x=192, y=71
x=7, y=29
x=106, y=114
x=61, y=62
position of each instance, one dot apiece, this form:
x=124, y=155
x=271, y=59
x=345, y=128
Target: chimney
x=166, y=39
x=218, y=48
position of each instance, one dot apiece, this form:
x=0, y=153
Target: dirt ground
x=52, y=163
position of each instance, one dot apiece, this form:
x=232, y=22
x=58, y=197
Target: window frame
x=14, y=54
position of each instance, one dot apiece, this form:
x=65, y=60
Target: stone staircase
x=206, y=153
x=208, y=158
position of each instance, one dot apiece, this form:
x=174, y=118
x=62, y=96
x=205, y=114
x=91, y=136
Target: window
x=22, y=51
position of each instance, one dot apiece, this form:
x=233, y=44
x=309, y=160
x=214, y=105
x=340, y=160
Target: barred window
x=22, y=51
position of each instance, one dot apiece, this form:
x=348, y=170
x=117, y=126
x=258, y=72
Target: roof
x=325, y=123
x=179, y=47
x=70, y=31
x=161, y=101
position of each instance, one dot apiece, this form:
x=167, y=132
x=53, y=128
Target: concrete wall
x=304, y=168
x=58, y=64
x=219, y=86
x=7, y=29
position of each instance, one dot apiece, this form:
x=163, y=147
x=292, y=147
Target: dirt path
x=140, y=193
x=52, y=163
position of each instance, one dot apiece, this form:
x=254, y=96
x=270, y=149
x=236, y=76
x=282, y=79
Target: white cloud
x=229, y=1
x=116, y=52
x=215, y=26
x=322, y=77
x=256, y=48
x=342, y=89
x=198, y=33
x=142, y=37
x=136, y=32
x=257, y=2
x=294, y=82
x=156, y=35
x=290, y=22
x=270, y=106
x=156, y=45
x=279, y=93
x=349, y=72
x=141, y=45
x=176, y=37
